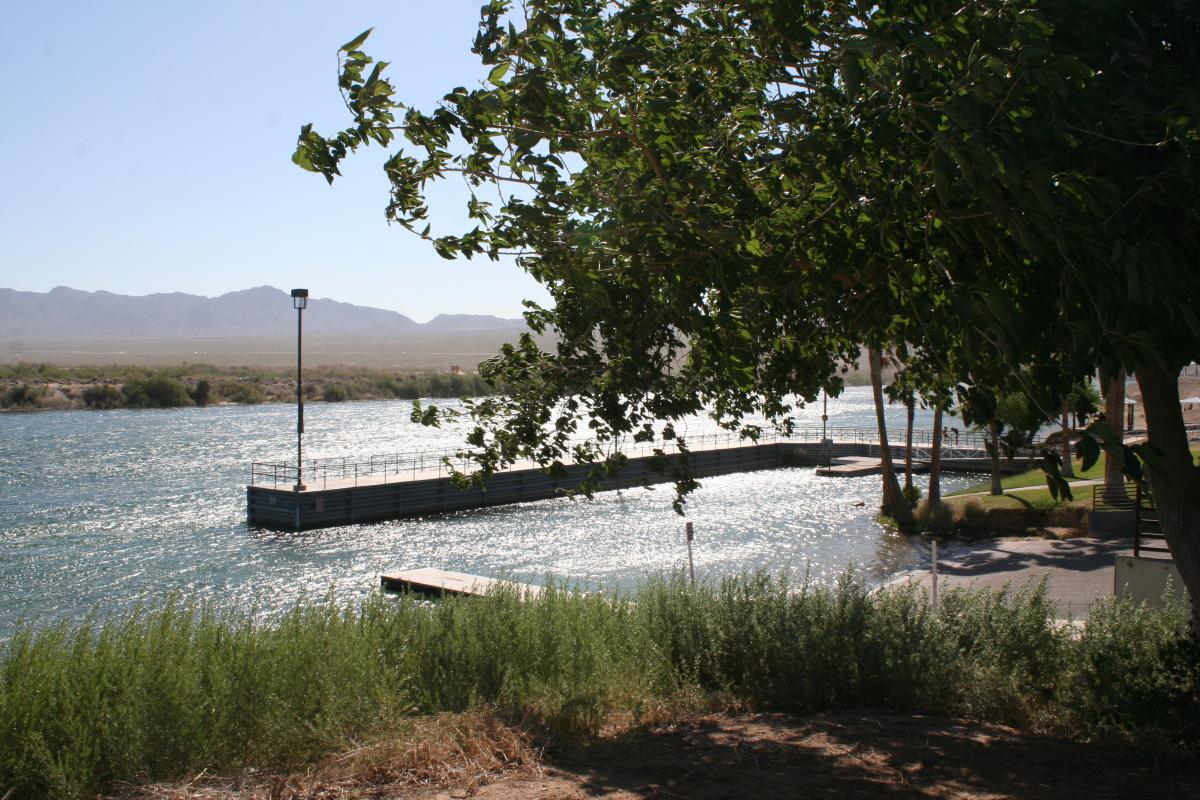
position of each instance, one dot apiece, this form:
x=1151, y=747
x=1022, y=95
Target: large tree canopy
x=725, y=199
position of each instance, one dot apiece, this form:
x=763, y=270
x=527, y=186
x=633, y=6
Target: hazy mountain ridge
x=262, y=311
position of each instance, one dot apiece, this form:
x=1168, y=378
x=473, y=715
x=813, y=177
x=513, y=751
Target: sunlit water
x=108, y=509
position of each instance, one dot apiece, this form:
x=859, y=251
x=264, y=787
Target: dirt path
x=848, y=754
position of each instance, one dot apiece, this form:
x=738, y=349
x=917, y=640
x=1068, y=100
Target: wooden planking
x=434, y=581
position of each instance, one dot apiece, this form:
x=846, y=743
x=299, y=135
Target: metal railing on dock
x=423, y=464
x=418, y=465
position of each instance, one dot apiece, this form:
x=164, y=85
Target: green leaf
x=497, y=74
x=1088, y=449
x=354, y=43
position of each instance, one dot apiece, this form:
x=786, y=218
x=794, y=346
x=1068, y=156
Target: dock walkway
x=434, y=581
x=340, y=492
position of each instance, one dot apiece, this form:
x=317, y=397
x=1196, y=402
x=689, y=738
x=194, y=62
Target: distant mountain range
x=64, y=313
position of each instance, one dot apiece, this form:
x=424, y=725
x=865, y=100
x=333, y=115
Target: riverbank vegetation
x=182, y=689
x=47, y=386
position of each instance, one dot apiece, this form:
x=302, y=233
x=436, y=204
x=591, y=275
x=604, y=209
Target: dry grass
x=460, y=750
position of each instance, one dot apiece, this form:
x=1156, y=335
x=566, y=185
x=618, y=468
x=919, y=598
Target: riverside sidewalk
x=1078, y=571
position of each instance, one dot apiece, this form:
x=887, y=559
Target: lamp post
x=825, y=451
x=824, y=413
x=299, y=302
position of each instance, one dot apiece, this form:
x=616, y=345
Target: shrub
x=202, y=392
x=973, y=515
x=912, y=494
x=24, y=395
x=242, y=392
x=103, y=396
x=337, y=393
x=157, y=391
x=937, y=519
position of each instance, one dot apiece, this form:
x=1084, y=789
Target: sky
x=146, y=147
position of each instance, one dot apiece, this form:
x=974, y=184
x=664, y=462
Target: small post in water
x=933, y=594
x=691, y=534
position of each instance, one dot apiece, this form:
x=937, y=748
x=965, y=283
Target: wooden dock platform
x=434, y=581
x=857, y=466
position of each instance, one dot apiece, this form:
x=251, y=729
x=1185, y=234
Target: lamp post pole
x=824, y=412
x=299, y=302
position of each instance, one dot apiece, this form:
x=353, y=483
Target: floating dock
x=434, y=581
x=340, y=493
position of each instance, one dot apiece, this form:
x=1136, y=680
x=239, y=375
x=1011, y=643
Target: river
x=105, y=510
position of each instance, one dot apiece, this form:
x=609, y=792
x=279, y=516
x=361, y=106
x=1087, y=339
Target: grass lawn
x=1035, y=477
x=1034, y=500
x=1040, y=498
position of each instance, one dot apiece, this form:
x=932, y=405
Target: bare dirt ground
x=846, y=754
x=1189, y=386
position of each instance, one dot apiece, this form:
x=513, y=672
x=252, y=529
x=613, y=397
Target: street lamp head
x=299, y=298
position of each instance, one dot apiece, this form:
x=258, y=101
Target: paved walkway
x=1078, y=571
x=1037, y=487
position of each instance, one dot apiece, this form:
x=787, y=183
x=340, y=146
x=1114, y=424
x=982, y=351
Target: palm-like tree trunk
x=1068, y=468
x=994, y=433
x=894, y=504
x=1114, y=414
x=935, y=460
x=910, y=406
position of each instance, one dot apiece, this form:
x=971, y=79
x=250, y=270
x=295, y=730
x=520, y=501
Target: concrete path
x=1035, y=488
x=1078, y=571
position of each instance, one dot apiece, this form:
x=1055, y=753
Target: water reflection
x=110, y=509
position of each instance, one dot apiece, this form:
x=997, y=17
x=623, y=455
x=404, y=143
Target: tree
x=1083, y=402
x=1114, y=413
x=934, y=496
x=894, y=504
x=724, y=199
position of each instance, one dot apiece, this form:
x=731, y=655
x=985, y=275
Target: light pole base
x=299, y=487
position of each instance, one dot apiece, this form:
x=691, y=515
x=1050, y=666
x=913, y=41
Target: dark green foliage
x=158, y=391
x=23, y=395
x=337, y=393
x=202, y=392
x=244, y=392
x=103, y=396
x=178, y=690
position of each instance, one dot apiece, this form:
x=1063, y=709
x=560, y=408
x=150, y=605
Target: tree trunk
x=1175, y=480
x=894, y=505
x=994, y=433
x=1068, y=468
x=935, y=460
x=1114, y=414
x=910, y=405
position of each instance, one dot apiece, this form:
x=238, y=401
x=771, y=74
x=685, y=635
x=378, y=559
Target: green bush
x=104, y=396
x=912, y=494
x=973, y=515
x=24, y=395
x=157, y=391
x=337, y=393
x=241, y=392
x=937, y=519
x=202, y=392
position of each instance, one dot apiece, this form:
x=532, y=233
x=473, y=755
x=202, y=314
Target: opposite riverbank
x=33, y=387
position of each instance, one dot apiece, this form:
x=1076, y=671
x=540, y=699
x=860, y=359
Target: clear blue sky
x=146, y=148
